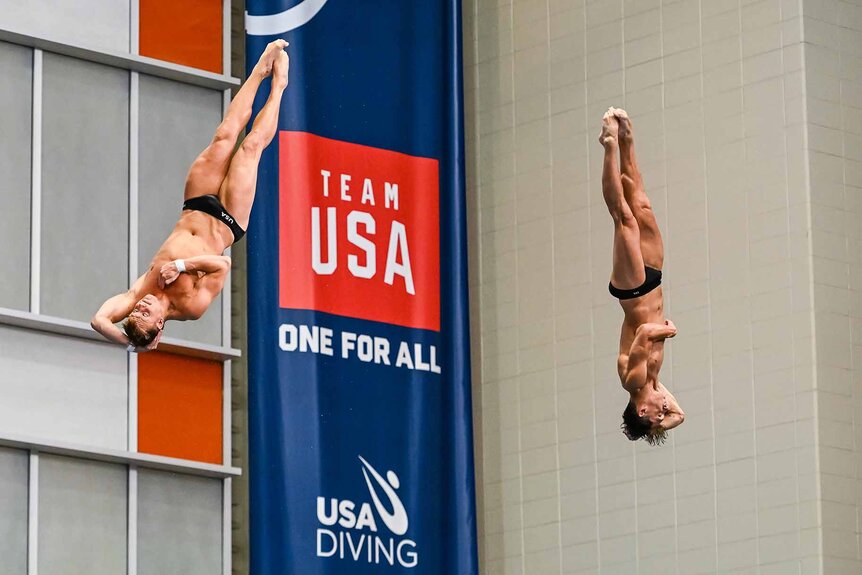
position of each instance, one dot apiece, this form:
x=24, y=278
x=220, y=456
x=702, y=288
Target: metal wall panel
x=82, y=517
x=179, y=524
x=85, y=159
x=62, y=389
x=100, y=24
x=16, y=93
x=13, y=511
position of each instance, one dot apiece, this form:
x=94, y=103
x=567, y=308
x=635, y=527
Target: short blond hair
x=138, y=336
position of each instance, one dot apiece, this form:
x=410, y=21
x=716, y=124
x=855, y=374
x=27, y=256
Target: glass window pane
x=179, y=524
x=16, y=69
x=14, y=473
x=85, y=182
x=82, y=517
x=177, y=122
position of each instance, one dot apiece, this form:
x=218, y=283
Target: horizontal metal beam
x=81, y=330
x=124, y=60
x=161, y=463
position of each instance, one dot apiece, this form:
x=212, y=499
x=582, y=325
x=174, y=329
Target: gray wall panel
x=13, y=511
x=85, y=179
x=82, y=517
x=93, y=23
x=62, y=389
x=16, y=92
x=176, y=123
x=179, y=524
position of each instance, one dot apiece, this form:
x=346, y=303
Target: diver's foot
x=610, y=129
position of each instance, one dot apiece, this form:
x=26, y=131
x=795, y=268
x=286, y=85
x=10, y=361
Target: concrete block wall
x=833, y=64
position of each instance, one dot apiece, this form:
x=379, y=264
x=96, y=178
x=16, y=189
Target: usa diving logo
x=351, y=532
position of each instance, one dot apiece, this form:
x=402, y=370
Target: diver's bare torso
x=648, y=308
x=195, y=234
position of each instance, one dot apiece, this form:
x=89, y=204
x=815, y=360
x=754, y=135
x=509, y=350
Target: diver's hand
x=671, y=326
x=155, y=343
x=152, y=345
x=168, y=274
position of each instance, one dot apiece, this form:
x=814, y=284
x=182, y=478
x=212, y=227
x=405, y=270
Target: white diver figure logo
x=397, y=520
x=282, y=22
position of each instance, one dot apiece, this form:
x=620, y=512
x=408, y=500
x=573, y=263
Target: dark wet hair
x=139, y=337
x=635, y=427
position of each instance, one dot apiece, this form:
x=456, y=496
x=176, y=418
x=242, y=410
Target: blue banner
x=359, y=372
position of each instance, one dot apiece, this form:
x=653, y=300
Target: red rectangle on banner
x=359, y=231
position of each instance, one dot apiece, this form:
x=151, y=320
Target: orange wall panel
x=187, y=32
x=180, y=407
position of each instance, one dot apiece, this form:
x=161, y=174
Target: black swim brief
x=211, y=205
x=652, y=281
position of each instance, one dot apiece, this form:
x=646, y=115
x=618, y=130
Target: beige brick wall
x=717, y=93
x=833, y=58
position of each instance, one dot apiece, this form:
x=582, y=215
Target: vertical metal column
x=36, y=186
x=134, y=83
x=227, y=494
x=33, y=516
